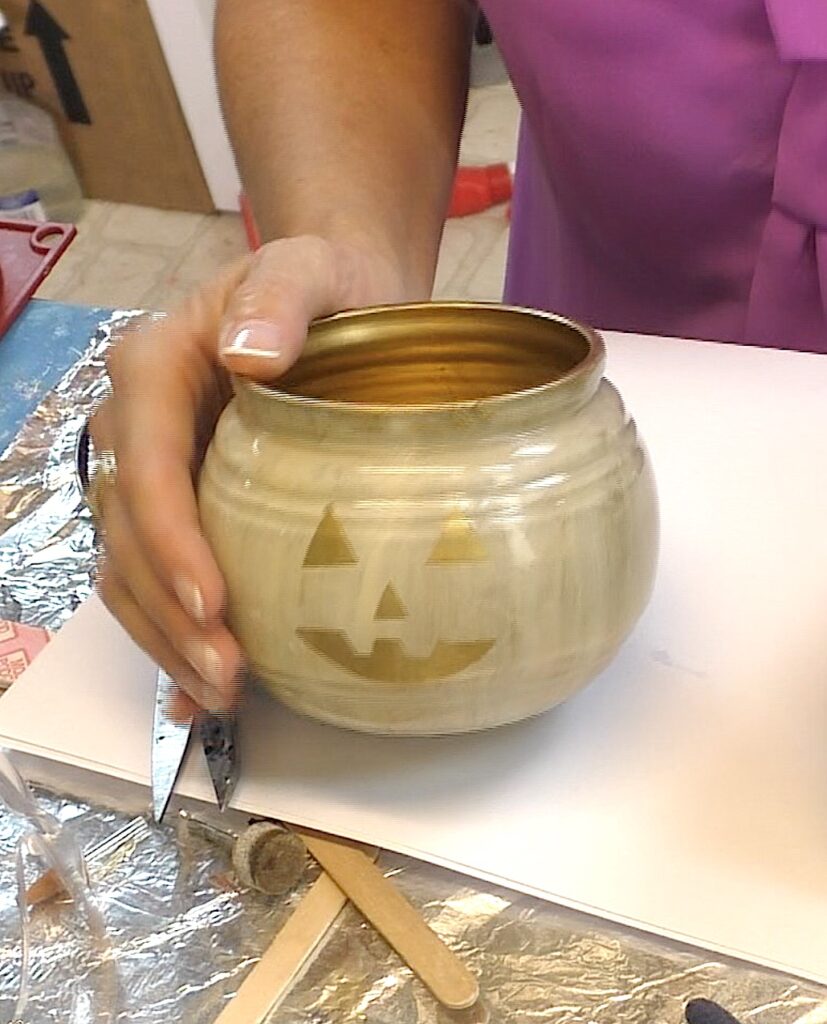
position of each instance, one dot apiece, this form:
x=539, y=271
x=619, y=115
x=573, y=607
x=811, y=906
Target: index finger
x=162, y=382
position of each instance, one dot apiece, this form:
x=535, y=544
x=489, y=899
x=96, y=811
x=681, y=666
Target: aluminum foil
x=182, y=936
x=46, y=538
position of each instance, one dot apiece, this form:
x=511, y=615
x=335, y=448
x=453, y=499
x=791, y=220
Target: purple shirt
x=672, y=172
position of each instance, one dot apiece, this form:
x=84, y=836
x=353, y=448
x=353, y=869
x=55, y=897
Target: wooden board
x=98, y=68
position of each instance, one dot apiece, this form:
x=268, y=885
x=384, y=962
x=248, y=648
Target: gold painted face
x=388, y=660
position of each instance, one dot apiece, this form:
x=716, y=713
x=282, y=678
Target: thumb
x=289, y=283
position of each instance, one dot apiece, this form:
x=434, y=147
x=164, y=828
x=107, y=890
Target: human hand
x=170, y=383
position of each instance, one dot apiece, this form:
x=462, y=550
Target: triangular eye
x=329, y=546
x=458, y=542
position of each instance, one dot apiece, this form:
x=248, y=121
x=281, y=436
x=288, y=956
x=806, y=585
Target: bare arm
x=345, y=117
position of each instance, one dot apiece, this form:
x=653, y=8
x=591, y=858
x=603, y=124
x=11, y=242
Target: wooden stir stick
x=394, y=918
x=289, y=952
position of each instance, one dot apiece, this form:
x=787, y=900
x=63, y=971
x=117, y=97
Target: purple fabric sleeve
x=800, y=28
x=672, y=174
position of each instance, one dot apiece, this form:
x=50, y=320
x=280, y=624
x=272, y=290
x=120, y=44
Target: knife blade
x=169, y=745
x=218, y=738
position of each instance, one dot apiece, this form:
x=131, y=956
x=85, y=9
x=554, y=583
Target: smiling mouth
x=388, y=662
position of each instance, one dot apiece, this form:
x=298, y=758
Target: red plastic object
x=479, y=188
x=28, y=251
x=250, y=226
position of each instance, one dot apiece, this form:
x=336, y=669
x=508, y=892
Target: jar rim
x=343, y=334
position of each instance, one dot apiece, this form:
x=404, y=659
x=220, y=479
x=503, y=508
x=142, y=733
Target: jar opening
x=433, y=355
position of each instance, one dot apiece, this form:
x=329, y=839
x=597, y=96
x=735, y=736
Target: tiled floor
x=137, y=257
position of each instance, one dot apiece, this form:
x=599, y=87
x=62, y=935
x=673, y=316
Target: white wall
x=184, y=29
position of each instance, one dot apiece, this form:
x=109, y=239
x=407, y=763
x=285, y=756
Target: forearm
x=345, y=118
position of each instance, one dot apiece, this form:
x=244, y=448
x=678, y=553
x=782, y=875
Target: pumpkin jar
x=441, y=520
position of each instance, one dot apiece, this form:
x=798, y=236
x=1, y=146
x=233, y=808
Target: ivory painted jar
x=442, y=520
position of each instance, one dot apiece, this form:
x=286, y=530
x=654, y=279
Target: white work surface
x=684, y=792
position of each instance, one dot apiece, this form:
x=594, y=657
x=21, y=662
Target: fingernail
x=191, y=598
x=204, y=695
x=213, y=701
x=206, y=661
x=259, y=338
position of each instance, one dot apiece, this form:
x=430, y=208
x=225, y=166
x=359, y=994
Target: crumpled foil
x=183, y=937
x=46, y=536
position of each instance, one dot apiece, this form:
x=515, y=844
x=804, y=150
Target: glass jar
x=442, y=520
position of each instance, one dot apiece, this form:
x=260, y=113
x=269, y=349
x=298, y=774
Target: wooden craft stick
x=381, y=903
x=44, y=888
x=288, y=954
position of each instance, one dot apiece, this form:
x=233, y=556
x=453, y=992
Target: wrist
x=391, y=270
x=388, y=275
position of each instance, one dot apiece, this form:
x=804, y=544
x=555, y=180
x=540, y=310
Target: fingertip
x=200, y=594
x=255, y=366
x=191, y=596
x=182, y=707
x=199, y=586
x=217, y=661
x=259, y=349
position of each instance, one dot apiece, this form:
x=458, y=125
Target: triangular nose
x=390, y=605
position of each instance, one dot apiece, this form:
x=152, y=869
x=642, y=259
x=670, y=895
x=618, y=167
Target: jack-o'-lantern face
x=388, y=659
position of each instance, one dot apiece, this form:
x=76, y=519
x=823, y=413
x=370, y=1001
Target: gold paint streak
x=458, y=542
x=388, y=662
x=390, y=605
x=329, y=546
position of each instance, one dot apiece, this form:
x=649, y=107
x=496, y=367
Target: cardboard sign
x=98, y=68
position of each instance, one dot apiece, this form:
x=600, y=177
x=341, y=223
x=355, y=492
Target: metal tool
x=170, y=740
x=218, y=738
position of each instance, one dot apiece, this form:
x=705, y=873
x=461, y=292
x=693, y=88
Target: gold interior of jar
x=435, y=354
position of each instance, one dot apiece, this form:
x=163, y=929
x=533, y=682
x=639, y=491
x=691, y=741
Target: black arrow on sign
x=51, y=35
